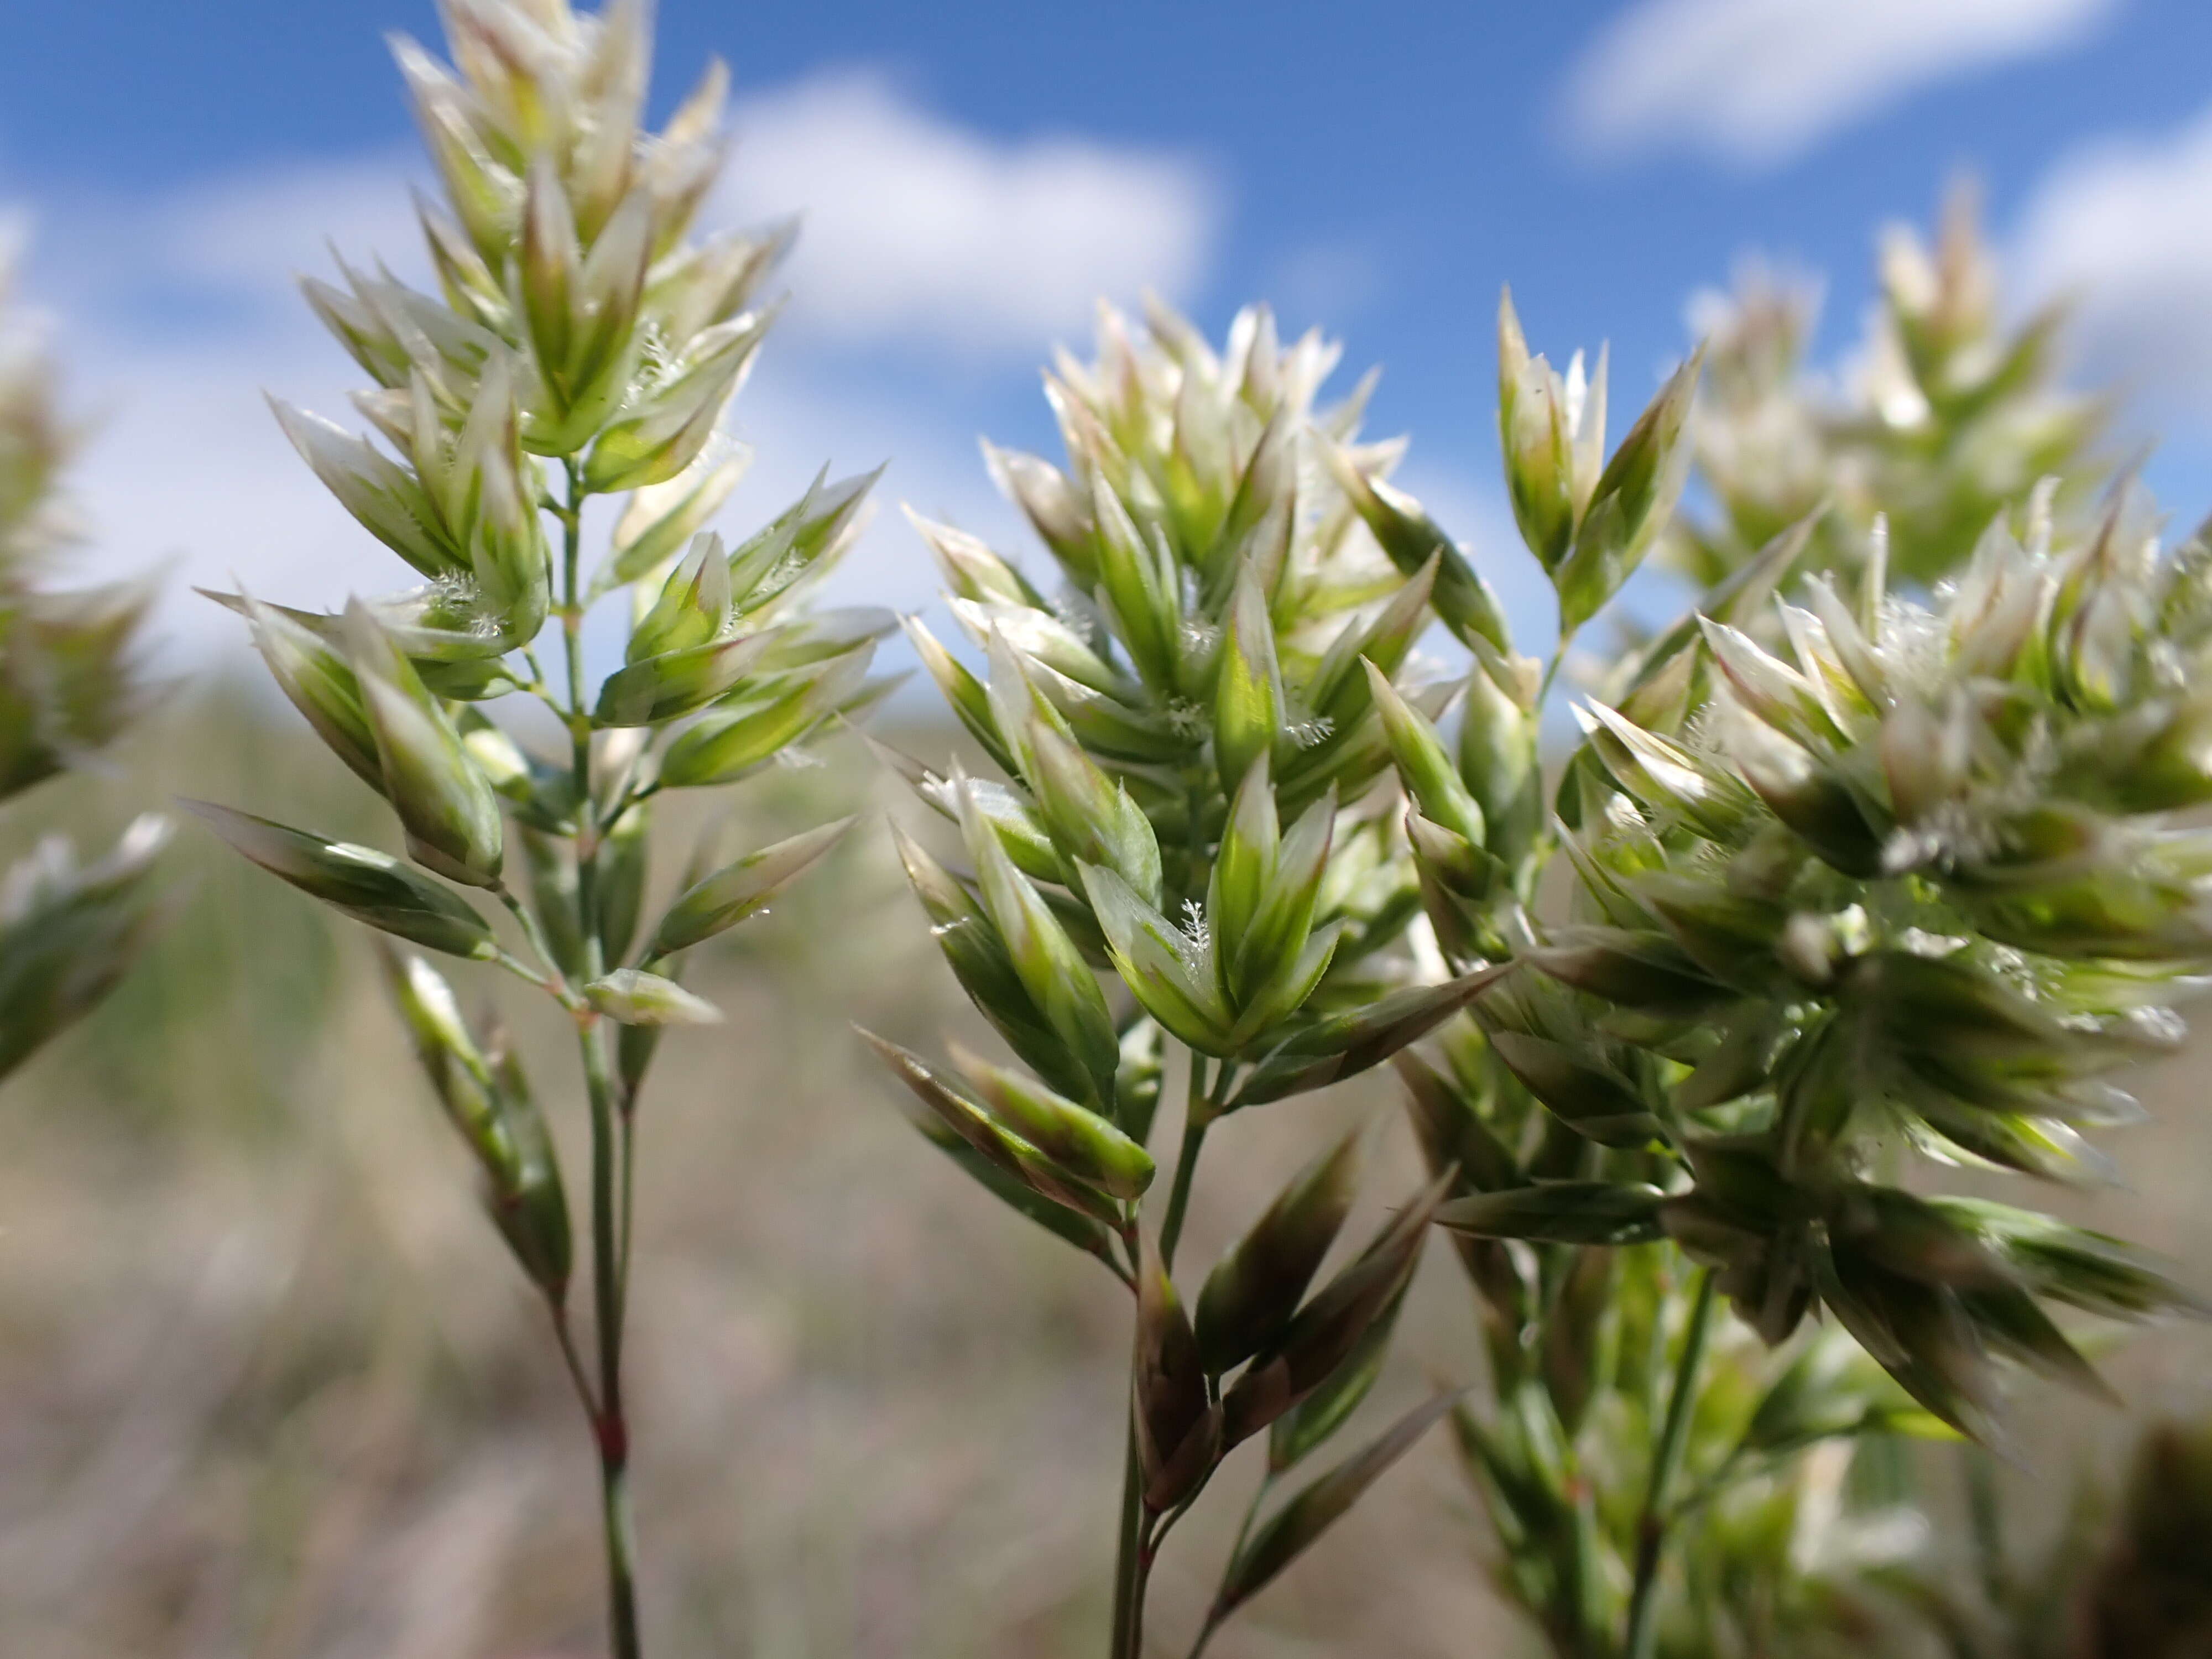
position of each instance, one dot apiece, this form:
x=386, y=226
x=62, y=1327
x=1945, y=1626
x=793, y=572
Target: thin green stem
x=1128, y=1542
x=609, y=1163
x=1552, y=668
x=1666, y=1463
x=1217, y=1615
x=550, y=977
x=1198, y=1117
x=1137, y=1540
x=574, y=1361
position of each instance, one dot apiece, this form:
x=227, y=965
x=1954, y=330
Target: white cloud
x=918, y=229
x=2124, y=229
x=1755, y=83
x=177, y=310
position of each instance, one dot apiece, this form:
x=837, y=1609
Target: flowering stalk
x=1860, y=881
x=581, y=343
x=1191, y=845
x=1944, y=417
x=69, y=683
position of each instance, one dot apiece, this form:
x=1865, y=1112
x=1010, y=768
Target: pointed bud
x=1251, y=1295
x=762, y=722
x=444, y=800
x=692, y=606
x=1247, y=698
x=637, y=998
x=389, y=503
x=1051, y=969
x=673, y=424
x=663, y=517
x=740, y=890
x=1423, y=765
x=1632, y=502
x=1244, y=867
x=320, y=684
x=1072, y=1138
x=366, y=884
x=1178, y=1430
x=1171, y=975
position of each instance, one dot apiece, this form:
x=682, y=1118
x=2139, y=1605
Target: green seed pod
x=740, y=889
x=1498, y=763
x=1344, y=1045
x=1171, y=975
x=963, y=691
x=1270, y=945
x=551, y=868
x=1071, y=1138
x=1661, y=774
x=978, y=956
x=1284, y=993
x=1248, y=697
x=1452, y=1133
x=456, y=1066
x=1039, y=636
x=1339, y=690
x=1295, y=1434
x=1243, y=869
x=1253, y=1291
x=1424, y=765
x=391, y=504
x=1640, y=969
x=1560, y=1212
x=1050, y=968
x=804, y=540
x=724, y=746
x=692, y=606
x=1592, y=1099
x=1553, y=437
x=530, y=1211
x=320, y=684
x=366, y=884
x=445, y=802
x=1002, y=1150
x=1138, y=584
x=636, y=998
x=1084, y=1231
x=654, y=690
x=1054, y=508
x=972, y=570
x=1630, y=502
x=1091, y=818
x=672, y=424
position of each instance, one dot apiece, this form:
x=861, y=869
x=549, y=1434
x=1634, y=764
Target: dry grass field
x=271, y=1389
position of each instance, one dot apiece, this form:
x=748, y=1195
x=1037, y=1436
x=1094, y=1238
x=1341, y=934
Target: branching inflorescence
x=70, y=681
x=1196, y=730
x=1867, y=885
x=581, y=343
x=1863, y=883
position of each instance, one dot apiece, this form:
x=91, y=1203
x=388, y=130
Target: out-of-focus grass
x=269, y=1388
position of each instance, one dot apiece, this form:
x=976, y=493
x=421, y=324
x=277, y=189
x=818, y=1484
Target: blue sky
x=975, y=173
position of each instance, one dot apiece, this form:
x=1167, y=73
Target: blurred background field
x=270, y=1387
